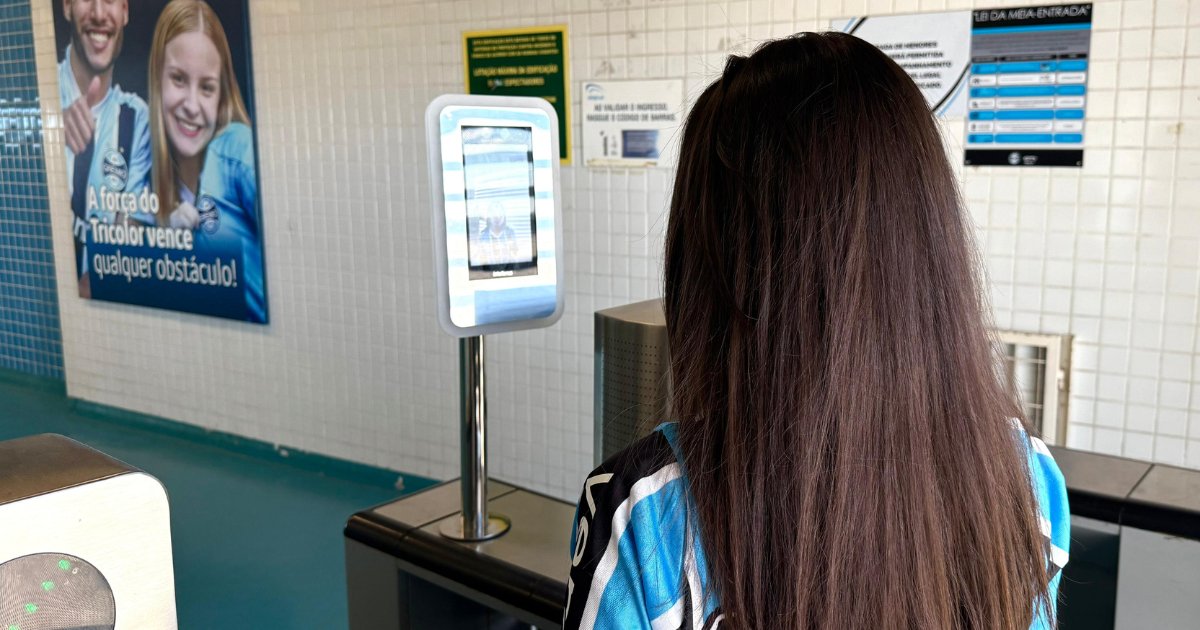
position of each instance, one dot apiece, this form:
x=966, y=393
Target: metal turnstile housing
x=633, y=383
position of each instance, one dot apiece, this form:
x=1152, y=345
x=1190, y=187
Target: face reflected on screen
x=191, y=93
x=496, y=219
x=97, y=31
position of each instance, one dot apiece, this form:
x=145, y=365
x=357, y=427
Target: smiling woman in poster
x=203, y=149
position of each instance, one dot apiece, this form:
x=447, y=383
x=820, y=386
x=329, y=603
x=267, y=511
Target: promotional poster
x=158, y=122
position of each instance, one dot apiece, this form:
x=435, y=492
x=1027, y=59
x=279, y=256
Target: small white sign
x=631, y=123
x=934, y=48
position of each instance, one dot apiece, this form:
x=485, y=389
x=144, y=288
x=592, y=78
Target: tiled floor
x=257, y=544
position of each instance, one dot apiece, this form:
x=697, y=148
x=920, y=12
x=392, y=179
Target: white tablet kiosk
x=493, y=162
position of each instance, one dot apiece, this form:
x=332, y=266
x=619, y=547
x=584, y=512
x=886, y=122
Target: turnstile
x=402, y=573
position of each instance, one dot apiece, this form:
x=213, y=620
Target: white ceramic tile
x=1110, y=414
x=1135, y=43
x=1173, y=394
x=1143, y=391
x=1132, y=74
x=1085, y=328
x=1137, y=14
x=1168, y=42
x=1180, y=309
x=358, y=367
x=1166, y=73
x=1118, y=276
x=1169, y=450
x=1083, y=383
x=1089, y=274
x=1106, y=45
x=1059, y=273
x=1191, y=74
x=1107, y=16
x=1056, y=301
x=1164, y=103
x=1107, y=441
x=1080, y=437
x=1114, y=359
x=1172, y=422
x=1180, y=337
x=1170, y=12
x=1138, y=446
x=1192, y=454
x=1140, y=418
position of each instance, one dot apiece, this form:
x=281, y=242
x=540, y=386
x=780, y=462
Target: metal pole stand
x=475, y=524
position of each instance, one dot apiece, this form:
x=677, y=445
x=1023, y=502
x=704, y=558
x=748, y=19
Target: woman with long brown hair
x=844, y=453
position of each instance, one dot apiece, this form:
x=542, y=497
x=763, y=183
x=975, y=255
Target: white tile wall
x=354, y=366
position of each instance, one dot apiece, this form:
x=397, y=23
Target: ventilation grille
x=632, y=375
x=635, y=392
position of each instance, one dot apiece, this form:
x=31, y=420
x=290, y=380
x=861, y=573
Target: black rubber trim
x=1130, y=512
x=1161, y=519
x=1100, y=507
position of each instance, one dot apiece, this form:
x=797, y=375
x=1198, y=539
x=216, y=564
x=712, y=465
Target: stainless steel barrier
x=632, y=383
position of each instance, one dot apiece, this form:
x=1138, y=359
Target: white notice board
x=934, y=48
x=632, y=123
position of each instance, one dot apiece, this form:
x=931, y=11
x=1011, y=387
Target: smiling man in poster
x=106, y=130
x=162, y=168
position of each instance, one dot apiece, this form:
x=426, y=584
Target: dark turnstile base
x=402, y=573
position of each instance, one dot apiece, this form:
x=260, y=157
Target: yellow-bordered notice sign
x=530, y=61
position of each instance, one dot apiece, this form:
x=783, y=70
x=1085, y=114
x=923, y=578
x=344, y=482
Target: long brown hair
x=847, y=440
x=177, y=18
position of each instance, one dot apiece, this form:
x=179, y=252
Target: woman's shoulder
x=629, y=536
x=644, y=473
x=1041, y=461
x=1051, y=490
x=651, y=457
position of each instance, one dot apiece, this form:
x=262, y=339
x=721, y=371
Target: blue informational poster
x=157, y=118
x=1028, y=85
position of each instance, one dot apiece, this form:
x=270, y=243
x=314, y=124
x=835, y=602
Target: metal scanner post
x=476, y=524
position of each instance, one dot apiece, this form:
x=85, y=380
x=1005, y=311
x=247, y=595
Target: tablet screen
x=498, y=177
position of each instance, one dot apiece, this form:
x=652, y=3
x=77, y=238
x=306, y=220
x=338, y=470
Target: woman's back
x=845, y=435
x=636, y=565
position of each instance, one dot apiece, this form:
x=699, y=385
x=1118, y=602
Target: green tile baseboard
x=305, y=460
x=32, y=381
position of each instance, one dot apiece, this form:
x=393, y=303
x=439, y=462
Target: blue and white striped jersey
x=635, y=563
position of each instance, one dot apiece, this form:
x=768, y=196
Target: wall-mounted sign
x=934, y=48
x=528, y=61
x=157, y=108
x=1028, y=85
x=631, y=123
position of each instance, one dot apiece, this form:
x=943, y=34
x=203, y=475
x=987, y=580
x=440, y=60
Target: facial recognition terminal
x=493, y=165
